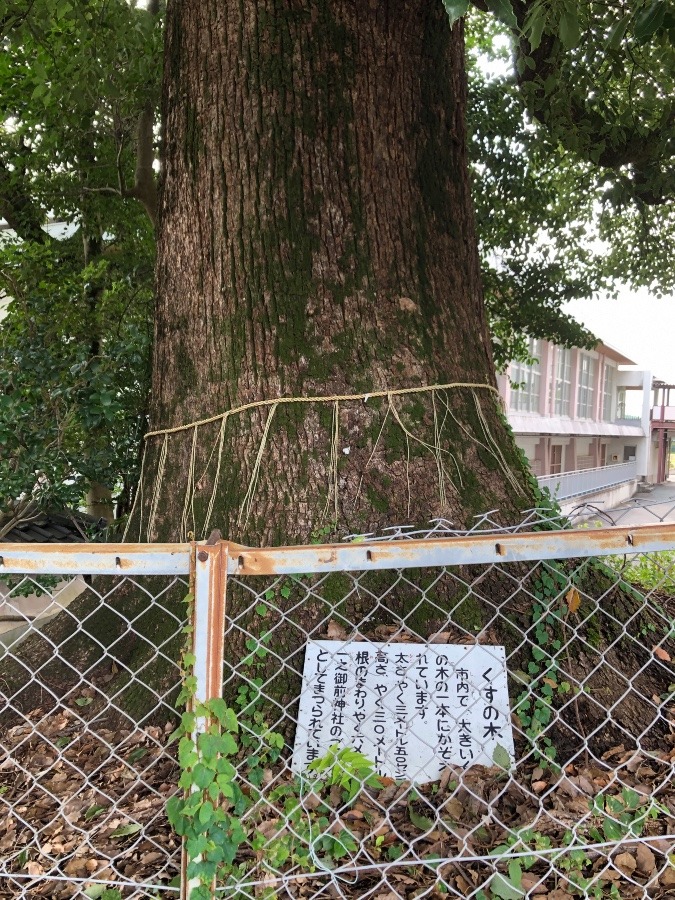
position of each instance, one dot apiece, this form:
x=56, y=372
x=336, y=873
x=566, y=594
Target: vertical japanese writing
x=464, y=736
x=360, y=695
x=380, y=716
x=411, y=708
x=337, y=719
x=443, y=716
x=421, y=686
x=492, y=726
x=402, y=664
x=315, y=724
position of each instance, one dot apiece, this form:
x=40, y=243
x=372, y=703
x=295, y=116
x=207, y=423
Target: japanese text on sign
x=411, y=709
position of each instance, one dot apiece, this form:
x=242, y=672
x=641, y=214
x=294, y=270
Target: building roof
x=528, y=423
x=613, y=353
x=54, y=527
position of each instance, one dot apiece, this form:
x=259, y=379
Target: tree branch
x=17, y=207
x=145, y=186
x=579, y=127
x=145, y=183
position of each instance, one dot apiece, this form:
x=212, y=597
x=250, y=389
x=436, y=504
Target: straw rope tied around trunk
x=443, y=456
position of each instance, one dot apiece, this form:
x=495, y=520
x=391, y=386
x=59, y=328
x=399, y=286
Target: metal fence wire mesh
x=642, y=509
x=493, y=716
x=88, y=683
x=585, y=806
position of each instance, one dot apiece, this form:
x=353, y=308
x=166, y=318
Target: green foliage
x=646, y=573
x=75, y=77
x=74, y=375
x=235, y=748
x=625, y=815
x=569, y=200
x=348, y=768
x=262, y=744
x=73, y=80
x=101, y=892
x=21, y=586
x=456, y=9
x=208, y=817
x=650, y=571
x=571, y=858
x=544, y=685
x=534, y=259
x=601, y=81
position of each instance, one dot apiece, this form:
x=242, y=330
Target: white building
x=568, y=412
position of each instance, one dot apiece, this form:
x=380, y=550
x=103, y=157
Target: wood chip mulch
x=80, y=806
x=84, y=804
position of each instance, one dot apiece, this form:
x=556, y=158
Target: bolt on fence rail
x=380, y=798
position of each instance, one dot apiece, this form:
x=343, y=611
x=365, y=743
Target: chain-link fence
x=642, y=509
x=429, y=713
x=88, y=679
x=541, y=769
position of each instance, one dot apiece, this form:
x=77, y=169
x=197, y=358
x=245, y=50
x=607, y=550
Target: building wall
x=606, y=499
x=558, y=366
x=653, y=475
x=566, y=418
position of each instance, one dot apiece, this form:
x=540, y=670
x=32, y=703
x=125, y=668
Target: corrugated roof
x=54, y=527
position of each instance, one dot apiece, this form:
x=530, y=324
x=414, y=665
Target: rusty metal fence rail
x=88, y=679
x=567, y=791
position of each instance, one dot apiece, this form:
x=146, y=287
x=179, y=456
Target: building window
x=525, y=381
x=563, y=382
x=556, y=459
x=607, y=390
x=586, y=387
x=621, y=403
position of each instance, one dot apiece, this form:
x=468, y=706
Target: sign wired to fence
x=485, y=715
x=411, y=708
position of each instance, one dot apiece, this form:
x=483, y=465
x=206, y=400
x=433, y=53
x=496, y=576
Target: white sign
x=411, y=709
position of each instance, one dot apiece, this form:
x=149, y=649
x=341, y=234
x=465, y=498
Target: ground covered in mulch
x=78, y=803
x=85, y=807
x=463, y=826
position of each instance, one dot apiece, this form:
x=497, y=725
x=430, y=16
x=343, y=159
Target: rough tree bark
x=316, y=237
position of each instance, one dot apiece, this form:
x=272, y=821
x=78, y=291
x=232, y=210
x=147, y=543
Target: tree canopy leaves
x=74, y=356
x=572, y=154
x=78, y=93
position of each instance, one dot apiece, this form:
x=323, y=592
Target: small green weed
x=347, y=768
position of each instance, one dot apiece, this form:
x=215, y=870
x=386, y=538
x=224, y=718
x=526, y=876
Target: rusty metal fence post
x=210, y=583
x=208, y=572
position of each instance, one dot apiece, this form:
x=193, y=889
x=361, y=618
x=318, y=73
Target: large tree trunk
x=316, y=237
